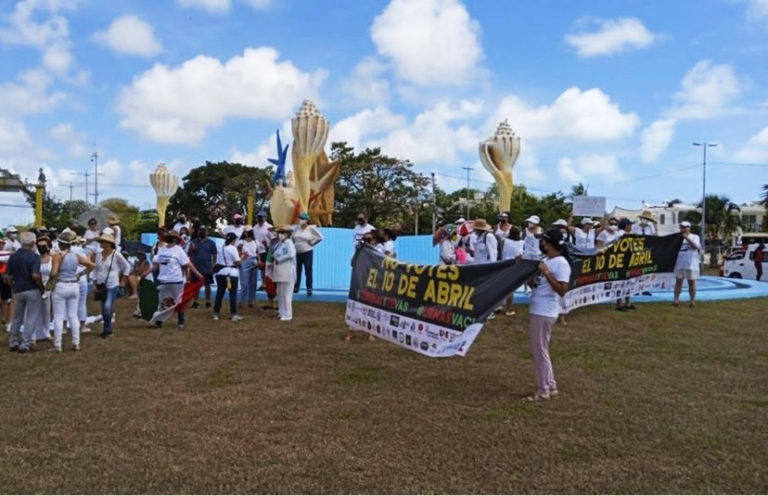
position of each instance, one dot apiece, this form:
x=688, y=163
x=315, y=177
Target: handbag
x=100, y=289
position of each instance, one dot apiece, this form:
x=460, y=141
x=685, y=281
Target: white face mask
x=612, y=228
x=304, y=222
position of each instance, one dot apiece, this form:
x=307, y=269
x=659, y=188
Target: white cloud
x=706, y=91
x=367, y=82
x=575, y=115
x=14, y=137
x=434, y=136
x=179, y=104
x=430, y=42
x=50, y=35
x=221, y=6
x=211, y=6
x=267, y=149
x=131, y=35
x=366, y=123
x=69, y=136
x=656, y=138
x=584, y=167
x=31, y=94
x=757, y=9
x=612, y=36
x=755, y=149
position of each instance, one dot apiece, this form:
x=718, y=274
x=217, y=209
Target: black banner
x=436, y=310
x=630, y=265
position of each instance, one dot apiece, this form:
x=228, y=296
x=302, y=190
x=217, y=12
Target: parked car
x=740, y=264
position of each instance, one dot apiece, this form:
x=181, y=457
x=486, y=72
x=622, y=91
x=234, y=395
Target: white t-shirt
x=261, y=233
x=608, y=237
x=238, y=230
x=531, y=249
x=688, y=257
x=177, y=227
x=251, y=248
x=485, y=246
x=512, y=249
x=361, y=231
x=171, y=259
x=389, y=248
x=584, y=239
x=649, y=229
x=544, y=300
x=304, y=239
x=228, y=256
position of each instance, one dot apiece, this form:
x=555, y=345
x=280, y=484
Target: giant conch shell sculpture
x=310, y=187
x=165, y=184
x=498, y=154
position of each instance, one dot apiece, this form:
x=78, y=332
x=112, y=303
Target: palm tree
x=579, y=189
x=721, y=222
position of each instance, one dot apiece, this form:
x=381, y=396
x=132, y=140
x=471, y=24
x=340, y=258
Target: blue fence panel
x=332, y=257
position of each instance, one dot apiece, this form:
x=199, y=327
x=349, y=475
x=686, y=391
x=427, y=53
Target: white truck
x=740, y=264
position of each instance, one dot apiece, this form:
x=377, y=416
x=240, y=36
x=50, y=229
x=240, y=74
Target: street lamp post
x=704, y=145
x=468, y=169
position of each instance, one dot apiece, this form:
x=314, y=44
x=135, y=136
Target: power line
x=737, y=164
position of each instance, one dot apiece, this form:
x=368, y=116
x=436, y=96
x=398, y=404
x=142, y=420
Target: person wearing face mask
x=361, y=229
x=284, y=272
x=305, y=238
x=624, y=229
x=117, y=231
x=609, y=234
x=12, y=244
x=645, y=225
x=483, y=243
x=512, y=249
x=91, y=234
x=171, y=265
x=548, y=287
x=249, y=267
x=443, y=237
x=43, y=327
x=687, y=264
x=203, y=255
x=531, y=235
x=228, y=259
x=502, y=228
x=263, y=232
x=184, y=240
x=237, y=227
x=584, y=235
x=66, y=294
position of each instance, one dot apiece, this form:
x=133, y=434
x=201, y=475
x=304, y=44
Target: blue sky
x=608, y=93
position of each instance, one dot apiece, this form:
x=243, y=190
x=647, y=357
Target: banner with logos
x=629, y=266
x=435, y=310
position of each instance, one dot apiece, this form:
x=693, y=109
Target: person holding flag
x=171, y=265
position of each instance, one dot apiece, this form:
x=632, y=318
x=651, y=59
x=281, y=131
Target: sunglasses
x=613, y=224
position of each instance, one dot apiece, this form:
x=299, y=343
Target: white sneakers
x=236, y=318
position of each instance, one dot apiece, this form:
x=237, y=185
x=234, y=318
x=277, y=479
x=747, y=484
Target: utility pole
x=704, y=145
x=434, y=206
x=70, y=191
x=468, y=199
x=95, y=160
x=86, y=174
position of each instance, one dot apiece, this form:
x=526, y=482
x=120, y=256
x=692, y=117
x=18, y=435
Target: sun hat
x=112, y=220
x=106, y=237
x=284, y=229
x=560, y=223
x=11, y=230
x=647, y=214
x=685, y=223
x=67, y=237
x=481, y=225
x=587, y=220
x=504, y=214
x=534, y=219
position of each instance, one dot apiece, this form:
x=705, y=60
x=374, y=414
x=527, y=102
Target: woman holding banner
x=548, y=287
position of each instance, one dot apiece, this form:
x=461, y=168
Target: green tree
x=52, y=208
x=218, y=190
x=720, y=223
x=127, y=213
x=385, y=188
x=765, y=204
x=579, y=189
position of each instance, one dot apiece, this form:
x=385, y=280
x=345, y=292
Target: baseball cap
x=533, y=219
x=685, y=223
x=460, y=220
x=560, y=223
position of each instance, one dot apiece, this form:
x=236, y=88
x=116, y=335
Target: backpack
x=499, y=244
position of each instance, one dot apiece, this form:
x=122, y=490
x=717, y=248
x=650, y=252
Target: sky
x=611, y=94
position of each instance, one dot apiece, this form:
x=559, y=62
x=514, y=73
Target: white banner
x=599, y=292
x=589, y=206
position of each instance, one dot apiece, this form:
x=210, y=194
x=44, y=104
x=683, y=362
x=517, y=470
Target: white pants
x=82, y=300
x=65, y=299
x=285, y=299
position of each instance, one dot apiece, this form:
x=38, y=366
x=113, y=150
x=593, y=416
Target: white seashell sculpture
x=310, y=131
x=498, y=155
x=165, y=184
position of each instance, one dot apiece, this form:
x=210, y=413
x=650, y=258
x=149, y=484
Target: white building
x=668, y=215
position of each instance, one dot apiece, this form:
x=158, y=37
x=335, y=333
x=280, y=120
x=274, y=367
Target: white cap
x=460, y=220
x=685, y=223
x=108, y=230
x=560, y=223
x=12, y=229
x=587, y=220
x=534, y=219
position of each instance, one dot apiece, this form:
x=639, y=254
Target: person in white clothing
x=305, y=238
x=228, y=263
x=263, y=232
x=548, y=288
x=117, y=231
x=512, y=250
x=443, y=237
x=110, y=266
x=237, y=227
x=182, y=223
x=12, y=244
x=502, y=228
x=687, y=264
x=609, y=234
x=249, y=267
x=483, y=243
x=91, y=234
x=531, y=235
x=646, y=224
x=388, y=237
x=284, y=272
x=172, y=266
x=584, y=234
x=361, y=229
x=43, y=328
x=66, y=294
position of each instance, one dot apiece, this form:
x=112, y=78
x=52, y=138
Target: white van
x=740, y=264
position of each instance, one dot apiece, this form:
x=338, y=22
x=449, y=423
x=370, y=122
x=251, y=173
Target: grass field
x=660, y=400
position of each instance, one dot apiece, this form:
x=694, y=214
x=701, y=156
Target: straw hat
x=112, y=220
x=106, y=237
x=648, y=215
x=481, y=225
x=284, y=229
x=67, y=237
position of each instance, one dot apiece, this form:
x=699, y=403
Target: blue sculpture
x=279, y=162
